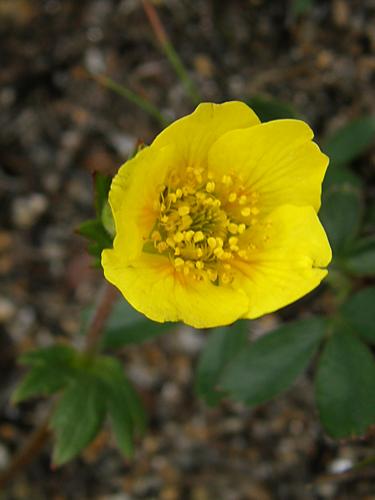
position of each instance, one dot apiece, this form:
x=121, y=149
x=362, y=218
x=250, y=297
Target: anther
x=233, y=228
x=184, y=210
x=232, y=197
x=210, y=187
x=211, y=242
x=178, y=237
x=198, y=236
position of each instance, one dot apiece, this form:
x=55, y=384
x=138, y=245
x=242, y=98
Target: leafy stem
x=41, y=434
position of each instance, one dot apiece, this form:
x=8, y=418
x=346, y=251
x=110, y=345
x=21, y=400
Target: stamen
x=193, y=229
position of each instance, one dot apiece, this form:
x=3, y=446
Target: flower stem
x=170, y=52
x=41, y=434
x=104, y=308
x=131, y=96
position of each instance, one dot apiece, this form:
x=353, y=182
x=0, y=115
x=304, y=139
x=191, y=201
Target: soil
x=58, y=125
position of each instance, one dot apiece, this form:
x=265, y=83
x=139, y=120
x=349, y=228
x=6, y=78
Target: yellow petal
x=289, y=257
x=194, y=134
x=153, y=287
x=133, y=194
x=277, y=160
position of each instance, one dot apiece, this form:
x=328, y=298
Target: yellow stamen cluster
x=202, y=223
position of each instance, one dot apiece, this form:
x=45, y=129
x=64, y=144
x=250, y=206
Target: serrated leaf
x=121, y=423
x=78, y=417
x=361, y=259
x=271, y=109
x=341, y=215
x=221, y=346
x=113, y=376
x=50, y=369
x=42, y=381
x=359, y=313
x=351, y=140
x=270, y=365
x=56, y=354
x=345, y=384
x=127, y=326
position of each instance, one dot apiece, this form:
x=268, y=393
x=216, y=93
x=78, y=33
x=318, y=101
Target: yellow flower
x=216, y=220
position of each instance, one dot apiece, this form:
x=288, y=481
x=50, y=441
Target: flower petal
x=194, y=134
x=290, y=254
x=277, y=160
x=153, y=287
x=133, y=192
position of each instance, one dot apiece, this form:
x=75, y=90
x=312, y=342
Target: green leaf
x=344, y=387
x=121, y=423
x=102, y=184
x=94, y=230
x=222, y=345
x=78, y=417
x=125, y=409
x=338, y=175
x=271, y=109
x=51, y=369
x=56, y=354
x=41, y=381
x=270, y=365
x=341, y=215
x=359, y=313
x=361, y=260
x=350, y=141
x=127, y=326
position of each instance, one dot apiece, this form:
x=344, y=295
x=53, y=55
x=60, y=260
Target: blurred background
x=58, y=125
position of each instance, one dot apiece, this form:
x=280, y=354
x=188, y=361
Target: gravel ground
x=57, y=126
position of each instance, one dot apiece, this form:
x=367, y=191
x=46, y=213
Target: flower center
x=202, y=223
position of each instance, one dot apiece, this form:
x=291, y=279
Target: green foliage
x=270, y=365
x=99, y=388
x=51, y=369
x=223, y=344
x=341, y=216
x=345, y=384
x=350, y=141
x=125, y=410
x=361, y=259
x=271, y=109
x=359, y=313
x=91, y=389
x=78, y=417
x=99, y=231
